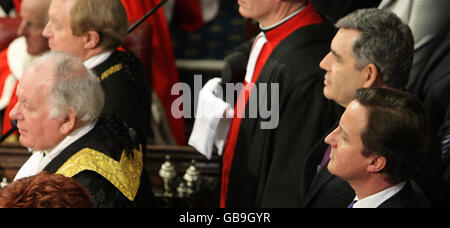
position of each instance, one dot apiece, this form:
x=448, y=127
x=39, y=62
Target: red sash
x=307, y=16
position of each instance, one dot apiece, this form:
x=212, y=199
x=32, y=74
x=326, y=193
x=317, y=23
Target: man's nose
x=330, y=139
x=15, y=113
x=46, y=31
x=324, y=64
x=21, y=30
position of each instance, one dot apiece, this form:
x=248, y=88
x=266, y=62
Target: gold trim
x=125, y=175
x=111, y=71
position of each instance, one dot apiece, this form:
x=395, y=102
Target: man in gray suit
x=429, y=21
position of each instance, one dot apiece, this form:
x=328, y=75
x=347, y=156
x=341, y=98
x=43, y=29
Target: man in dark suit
x=255, y=157
x=433, y=89
x=93, y=30
x=376, y=146
x=445, y=147
x=365, y=53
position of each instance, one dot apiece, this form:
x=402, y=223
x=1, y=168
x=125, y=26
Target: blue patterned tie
x=446, y=144
x=351, y=205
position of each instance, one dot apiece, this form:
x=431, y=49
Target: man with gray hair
x=93, y=30
x=260, y=166
x=372, y=49
x=58, y=116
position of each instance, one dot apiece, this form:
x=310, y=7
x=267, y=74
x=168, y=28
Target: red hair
x=45, y=190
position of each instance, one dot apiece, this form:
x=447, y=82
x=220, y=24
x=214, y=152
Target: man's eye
x=27, y=107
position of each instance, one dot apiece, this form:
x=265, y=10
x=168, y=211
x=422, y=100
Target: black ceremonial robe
x=98, y=162
x=266, y=165
x=127, y=91
x=336, y=9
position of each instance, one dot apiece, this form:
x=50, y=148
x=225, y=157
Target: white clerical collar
x=74, y=136
x=378, y=198
x=282, y=21
x=97, y=59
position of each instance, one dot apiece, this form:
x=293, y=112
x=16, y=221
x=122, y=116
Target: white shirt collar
x=97, y=59
x=378, y=198
x=37, y=162
x=282, y=21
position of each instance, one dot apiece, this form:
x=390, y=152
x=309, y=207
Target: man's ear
x=91, y=40
x=377, y=163
x=371, y=76
x=69, y=122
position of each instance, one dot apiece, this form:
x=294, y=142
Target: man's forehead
x=347, y=36
x=342, y=43
x=68, y=3
x=36, y=76
x=60, y=9
x=355, y=115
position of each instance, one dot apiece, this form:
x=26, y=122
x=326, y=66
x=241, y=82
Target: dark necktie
x=351, y=205
x=325, y=158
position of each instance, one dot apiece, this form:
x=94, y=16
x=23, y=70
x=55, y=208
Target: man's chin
x=325, y=93
x=32, y=52
x=24, y=142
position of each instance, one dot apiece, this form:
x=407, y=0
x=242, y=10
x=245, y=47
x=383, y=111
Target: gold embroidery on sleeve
x=111, y=71
x=124, y=175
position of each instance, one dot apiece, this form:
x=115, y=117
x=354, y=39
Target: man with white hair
x=58, y=109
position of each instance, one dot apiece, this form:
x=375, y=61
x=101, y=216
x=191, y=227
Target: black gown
x=336, y=9
x=98, y=161
x=266, y=166
x=127, y=92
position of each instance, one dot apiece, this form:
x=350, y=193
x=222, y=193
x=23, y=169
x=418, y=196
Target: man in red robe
x=15, y=59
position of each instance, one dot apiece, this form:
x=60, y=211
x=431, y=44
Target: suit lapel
x=321, y=178
x=313, y=182
x=310, y=168
x=424, y=83
x=400, y=199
